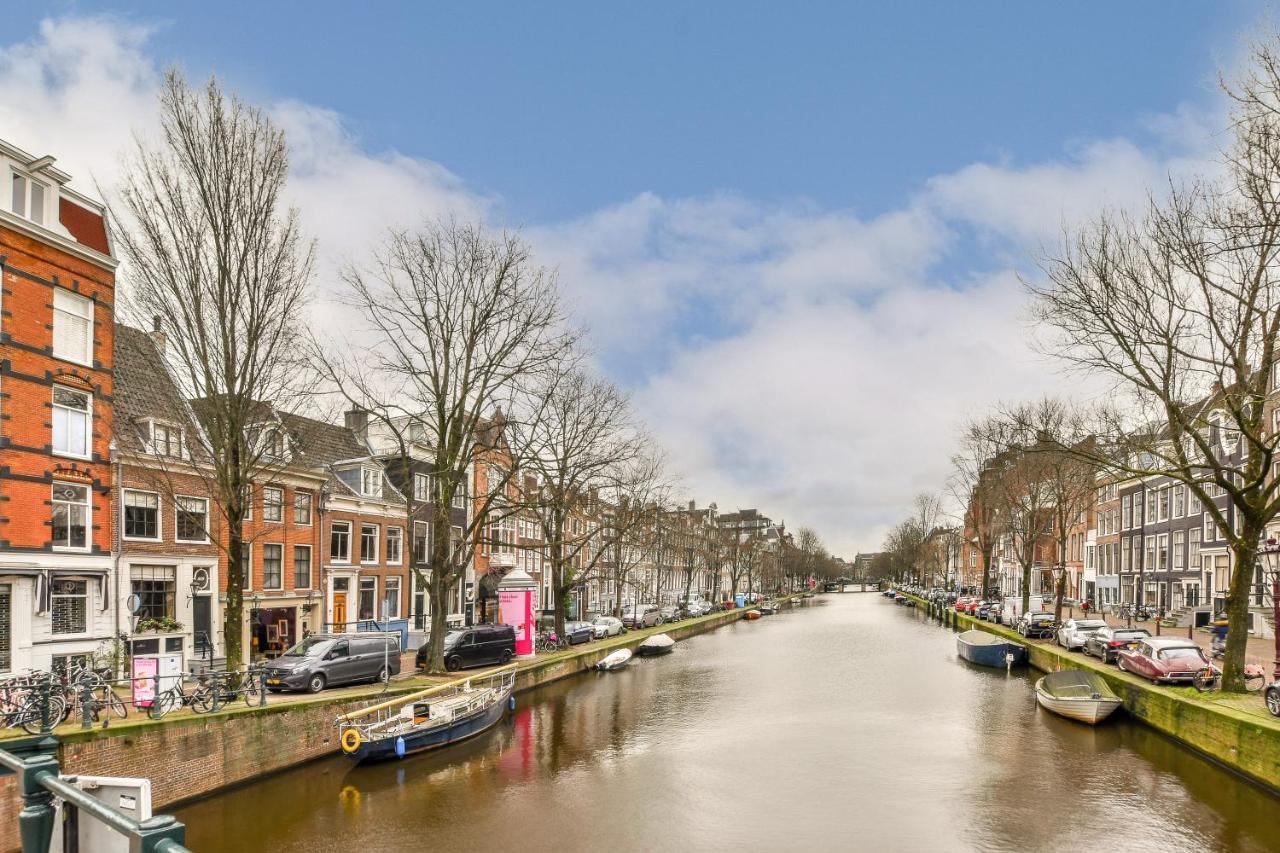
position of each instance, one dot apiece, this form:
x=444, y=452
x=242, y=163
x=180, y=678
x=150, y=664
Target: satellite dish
x=134, y=604
x=200, y=579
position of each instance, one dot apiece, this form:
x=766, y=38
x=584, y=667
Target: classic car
x=1164, y=660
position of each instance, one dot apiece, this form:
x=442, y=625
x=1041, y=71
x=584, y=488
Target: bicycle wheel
x=201, y=700
x=251, y=690
x=30, y=717
x=1204, y=680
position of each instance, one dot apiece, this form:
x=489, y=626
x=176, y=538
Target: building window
x=1179, y=543
x=193, y=519
x=272, y=566
x=157, y=587
x=70, y=515
x=395, y=545
x=368, y=598
x=141, y=515
x=1151, y=507
x=72, y=327
x=1179, y=501
x=70, y=607
x=273, y=445
x=166, y=440
x=28, y=198
x=301, y=508
x=1126, y=512
x=460, y=496
x=246, y=554
x=421, y=539
x=72, y=422
x=301, y=566
x=1164, y=504
x=371, y=482
x=340, y=542
x=1193, y=548
x=391, y=598
x=247, y=500
x=272, y=504
x=6, y=627
x=1193, y=502
x=368, y=543
x=1162, y=552
x=422, y=488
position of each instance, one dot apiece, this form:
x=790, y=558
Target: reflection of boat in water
x=615, y=660
x=658, y=644
x=428, y=719
x=1079, y=695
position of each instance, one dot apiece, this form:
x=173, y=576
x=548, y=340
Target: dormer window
x=417, y=432
x=371, y=482
x=28, y=197
x=165, y=439
x=273, y=445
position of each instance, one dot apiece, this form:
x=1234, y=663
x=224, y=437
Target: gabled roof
x=144, y=389
x=318, y=444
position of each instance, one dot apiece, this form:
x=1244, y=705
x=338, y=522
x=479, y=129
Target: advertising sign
x=144, y=681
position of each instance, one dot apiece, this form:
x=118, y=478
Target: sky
x=793, y=231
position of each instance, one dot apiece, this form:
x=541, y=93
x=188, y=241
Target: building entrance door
x=339, y=617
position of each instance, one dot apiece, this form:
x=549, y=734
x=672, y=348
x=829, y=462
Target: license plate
x=1131, y=646
x=273, y=681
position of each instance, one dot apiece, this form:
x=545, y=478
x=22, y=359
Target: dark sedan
x=1035, y=624
x=1106, y=643
x=579, y=632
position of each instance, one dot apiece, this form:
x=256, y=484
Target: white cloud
x=803, y=360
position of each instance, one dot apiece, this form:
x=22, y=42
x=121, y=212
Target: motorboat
x=751, y=615
x=769, y=608
x=428, y=719
x=987, y=649
x=1077, y=694
x=614, y=660
x=658, y=644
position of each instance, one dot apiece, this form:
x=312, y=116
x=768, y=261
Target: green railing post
x=35, y=821
x=158, y=834
x=85, y=706
x=46, y=692
x=217, y=684
x=262, y=688
x=155, y=712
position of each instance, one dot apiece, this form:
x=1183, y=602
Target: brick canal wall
x=1246, y=743
x=187, y=757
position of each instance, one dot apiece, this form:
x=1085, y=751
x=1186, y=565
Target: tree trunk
x=1246, y=556
x=988, y=552
x=233, y=613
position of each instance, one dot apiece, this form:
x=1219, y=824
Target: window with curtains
x=272, y=566
x=369, y=543
x=391, y=598
x=72, y=326
x=72, y=422
x=1179, y=549
x=272, y=504
x=192, y=519
x=395, y=545
x=301, y=566
x=141, y=515
x=368, y=598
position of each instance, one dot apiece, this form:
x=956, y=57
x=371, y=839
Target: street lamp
x=1271, y=555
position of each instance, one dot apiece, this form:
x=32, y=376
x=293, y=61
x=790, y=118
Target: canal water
x=845, y=724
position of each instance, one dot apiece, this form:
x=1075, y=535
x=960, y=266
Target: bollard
x=1191, y=632
x=262, y=687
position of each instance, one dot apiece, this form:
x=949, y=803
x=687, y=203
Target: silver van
x=641, y=616
x=325, y=660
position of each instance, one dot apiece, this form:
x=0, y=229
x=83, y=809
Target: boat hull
x=615, y=661
x=991, y=654
x=1090, y=711
x=653, y=651
x=426, y=740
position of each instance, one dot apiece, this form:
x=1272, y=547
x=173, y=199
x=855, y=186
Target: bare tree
x=461, y=326
x=972, y=487
x=1181, y=309
x=218, y=263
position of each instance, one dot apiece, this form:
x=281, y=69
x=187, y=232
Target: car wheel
x=1273, y=701
x=453, y=664
x=316, y=683
x=1120, y=663
x=505, y=657
x=384, y=675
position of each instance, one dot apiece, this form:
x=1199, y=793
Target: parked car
x=324, y=660
x=641, y=616
x=606, y=626
x=1035, y=624
x=1074, y=632
x=669, y=613
x=1164, y=659
x=994, y=613
x=962, y=604
x=1105, y=643
x=1011, y=609
x=480, y=645
x=579, y=632
x=1272, y=698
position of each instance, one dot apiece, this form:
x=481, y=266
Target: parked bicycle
x=1137, y=613
x=217, y=690
x=549, y=642
x=31, y=702
x=1209, y=678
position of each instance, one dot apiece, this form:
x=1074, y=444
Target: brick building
x=57, y=276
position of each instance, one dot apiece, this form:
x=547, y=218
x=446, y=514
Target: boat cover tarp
x=982, y=638
x=1076, y=684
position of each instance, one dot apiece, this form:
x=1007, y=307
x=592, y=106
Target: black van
x=323, y=660
x=480, y=645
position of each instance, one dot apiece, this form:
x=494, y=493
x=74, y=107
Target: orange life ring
x=351, y=740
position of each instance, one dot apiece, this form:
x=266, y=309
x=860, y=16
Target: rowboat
x=658, y=644
x=987, y=649
x=1077, y=694
x=769, y=608
x=751, y=615
x=426, y=720
x=616, y=660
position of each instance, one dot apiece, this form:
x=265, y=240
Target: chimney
x=158, y=335
x=357, y=420
x=693, y=505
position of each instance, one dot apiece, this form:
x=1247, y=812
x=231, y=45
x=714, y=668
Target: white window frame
x=305, y=497
x=377, y=543
x=422, y=488
x=88, y=606
x=159, y=537
x=399, y=561
x=370, y=476
x=177, y=508
x=87, y=414
x=311, y=567
x=30, y=184
x=345, y=559
x=174, y=432
x=387, y=583
x=88, y=517
x=72, y=303
x=277, y=505
x=265, y=546
x=247, y=550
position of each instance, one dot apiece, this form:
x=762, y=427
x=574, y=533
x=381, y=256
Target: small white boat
x=1077, y=694
x=616, y=660
x=658, y=644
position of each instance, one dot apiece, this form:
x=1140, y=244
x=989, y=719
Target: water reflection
x=848, y=724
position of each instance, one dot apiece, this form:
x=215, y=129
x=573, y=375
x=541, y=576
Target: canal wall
x=189, y=756
x=1247, y=743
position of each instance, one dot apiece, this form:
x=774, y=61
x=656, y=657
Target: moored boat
x=615, y=660
x=426, y=720
x=658, y=644
x=769, y=608
x=751, y=615
x=987, y=649
x=1078, y=695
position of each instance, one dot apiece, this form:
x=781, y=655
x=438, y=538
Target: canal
x=845, y=724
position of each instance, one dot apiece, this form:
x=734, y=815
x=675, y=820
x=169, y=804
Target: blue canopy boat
x=987, y=649
x=427, y=720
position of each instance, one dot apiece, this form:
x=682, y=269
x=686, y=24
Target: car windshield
x=1181, y=653
x=1091, y=625
x=1131, y=635
x=452, y=638
x=600, y=620
x=309, y=648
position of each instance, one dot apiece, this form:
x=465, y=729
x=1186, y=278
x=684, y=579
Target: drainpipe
x=115, y=549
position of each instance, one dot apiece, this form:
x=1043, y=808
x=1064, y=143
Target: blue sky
x=794, y=230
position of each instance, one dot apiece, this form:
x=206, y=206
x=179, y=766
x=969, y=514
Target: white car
x=606, y=626
x=1074, y=632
